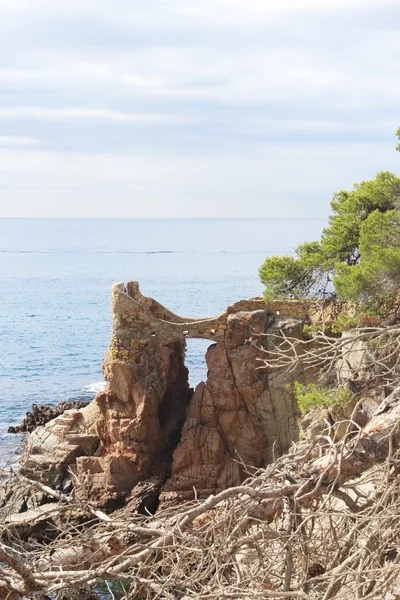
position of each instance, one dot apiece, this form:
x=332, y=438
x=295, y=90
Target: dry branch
x=318, y=523
x=376, y=350
x=294, y=530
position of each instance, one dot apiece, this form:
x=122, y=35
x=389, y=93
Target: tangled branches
x=372, y=352
x=319, y=523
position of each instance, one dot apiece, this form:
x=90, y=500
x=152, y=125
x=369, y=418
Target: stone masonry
x=137, y=319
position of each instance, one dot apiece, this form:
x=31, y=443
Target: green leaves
x=315, y=396
x=359, y=250
x=376, y=280
x=285, y=277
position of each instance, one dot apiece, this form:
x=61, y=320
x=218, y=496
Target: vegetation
x=315, y=396
x=358, y=255
x=375, y=280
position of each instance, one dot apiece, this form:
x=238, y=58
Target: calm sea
x=55, y=280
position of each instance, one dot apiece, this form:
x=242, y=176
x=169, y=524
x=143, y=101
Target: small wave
x=99, y=386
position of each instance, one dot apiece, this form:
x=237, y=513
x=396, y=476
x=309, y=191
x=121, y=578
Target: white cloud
x=236, y=96
x=257, y=11
x=229, y=10
x=15, y=141
x=77, y=113
x=49, y=5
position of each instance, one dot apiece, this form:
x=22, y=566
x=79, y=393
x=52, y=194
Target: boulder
x=42, y=414
x=50, y=451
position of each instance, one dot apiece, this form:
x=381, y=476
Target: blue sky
x=194, y=108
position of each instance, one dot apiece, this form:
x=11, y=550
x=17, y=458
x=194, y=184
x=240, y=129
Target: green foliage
x=359, y=251
x=314, y=396
x=375, y=281
x=285, y=276
x=310, y=330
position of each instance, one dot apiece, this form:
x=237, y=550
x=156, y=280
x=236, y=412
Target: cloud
x=220, y=85
x=15, y=141
x=253, y=12
x=210, y=8
x=79, y=113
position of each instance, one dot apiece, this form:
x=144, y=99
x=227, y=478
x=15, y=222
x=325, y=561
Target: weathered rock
x=51, y=451
x=147, y=431
x=241, y=417
x=141, y=415
x=144, y=497
x=42, y=414
x=316, y=423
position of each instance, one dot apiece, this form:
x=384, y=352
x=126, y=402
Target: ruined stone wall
x=136, y=319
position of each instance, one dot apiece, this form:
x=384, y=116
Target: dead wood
x=319, y=523
x=320, y=520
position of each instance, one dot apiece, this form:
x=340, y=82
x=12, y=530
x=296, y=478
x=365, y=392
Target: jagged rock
x=316, y=423
x=241, y=417
x=51, y=451
x=42, y=414
x=147, y=431
x=144, y=497
x=141, y=415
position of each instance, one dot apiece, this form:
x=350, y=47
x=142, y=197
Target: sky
x=194, y=108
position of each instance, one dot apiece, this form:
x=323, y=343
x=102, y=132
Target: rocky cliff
x=154, y=435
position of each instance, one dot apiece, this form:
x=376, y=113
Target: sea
x=55, y=284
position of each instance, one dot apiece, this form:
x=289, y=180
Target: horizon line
x=160, y=218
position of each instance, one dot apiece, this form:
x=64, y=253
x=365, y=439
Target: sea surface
x=55, y=283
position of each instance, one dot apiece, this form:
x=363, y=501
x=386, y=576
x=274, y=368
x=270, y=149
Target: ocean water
x=55, y=282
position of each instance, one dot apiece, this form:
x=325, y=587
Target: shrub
x=313, y=395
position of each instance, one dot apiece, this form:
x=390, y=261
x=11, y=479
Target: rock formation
x=51, y=450
x=42, y=414
x=241, y=417
x=151, y=434
x=141, y=415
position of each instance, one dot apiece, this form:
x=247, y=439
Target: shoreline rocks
x=40, y=414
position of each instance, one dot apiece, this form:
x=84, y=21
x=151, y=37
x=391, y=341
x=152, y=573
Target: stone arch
x=136, y=319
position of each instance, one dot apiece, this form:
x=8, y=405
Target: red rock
x=153, y=431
